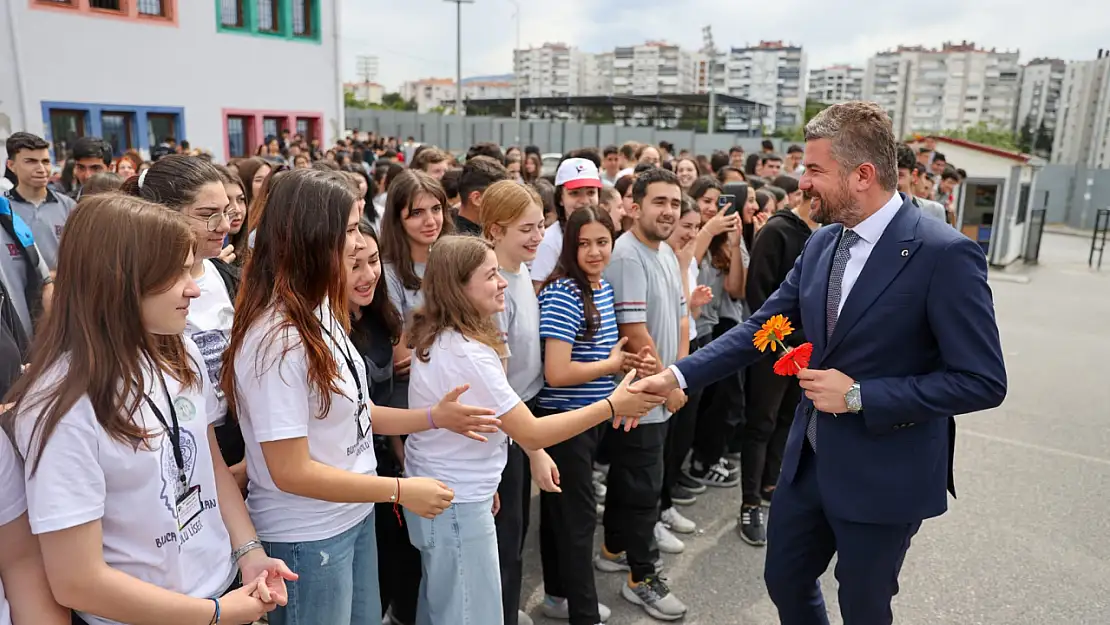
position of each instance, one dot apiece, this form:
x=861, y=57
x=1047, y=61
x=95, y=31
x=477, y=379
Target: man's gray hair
x=860, y=132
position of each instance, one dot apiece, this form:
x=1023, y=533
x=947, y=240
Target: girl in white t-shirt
x=302, y=398
x=196, y=188
x=25, y=597
x=138, y=517
x=414, y=216
x=456, y=340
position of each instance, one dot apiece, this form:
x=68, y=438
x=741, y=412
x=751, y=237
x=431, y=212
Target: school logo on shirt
x=172, y=489
x=13, y=250
x=212, y=345
x=186, y=411
x=57, y=231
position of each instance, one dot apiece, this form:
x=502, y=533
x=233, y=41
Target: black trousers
x=632, y=497
x=399, y=569
x=772, y=400
x=721, y=410
x=512, y=526
x=567, y=522
x=680, y=437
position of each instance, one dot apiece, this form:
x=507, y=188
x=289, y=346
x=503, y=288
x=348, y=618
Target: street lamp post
x=516, y=74
x=458, y=55
x=711, y=52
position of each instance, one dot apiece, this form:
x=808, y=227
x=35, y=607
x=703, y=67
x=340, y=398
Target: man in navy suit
x=904, y=337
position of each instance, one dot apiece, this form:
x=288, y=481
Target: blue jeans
x=461, y=584
x=338, y=583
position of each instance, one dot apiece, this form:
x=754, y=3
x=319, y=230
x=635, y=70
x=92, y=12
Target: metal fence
x=1072, y=195
x=1036, y=234
x=457, y=134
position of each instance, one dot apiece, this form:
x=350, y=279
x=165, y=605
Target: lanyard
x=174, y=432
x=345, y=351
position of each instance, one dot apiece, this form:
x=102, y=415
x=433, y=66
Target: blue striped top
x=563, y=317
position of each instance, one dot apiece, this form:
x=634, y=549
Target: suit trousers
x=567, y=523
x=721, y=410
x=801, y=541
x=771, y=402
x=511, y=522
x=632, y=498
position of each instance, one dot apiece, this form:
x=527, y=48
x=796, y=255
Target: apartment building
x=770, y=73
x=371, y=92
x=1083, y=120
x=836, y=84
x=433, y=93
x=551, y=70
x=956, y=86
x=179, y=76
x=654, y=67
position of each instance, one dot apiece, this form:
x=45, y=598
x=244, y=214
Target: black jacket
x=778, y=245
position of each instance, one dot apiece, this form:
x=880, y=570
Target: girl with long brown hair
x=455, y=340
x=114, y=418
x=415, y=217
x=301, y=395
x=236, y=214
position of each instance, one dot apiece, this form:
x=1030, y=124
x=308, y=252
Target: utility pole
x=711, y=53
x=516, y=74
x=458, y=55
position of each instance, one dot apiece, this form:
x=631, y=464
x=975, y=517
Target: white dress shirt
x=870, y=230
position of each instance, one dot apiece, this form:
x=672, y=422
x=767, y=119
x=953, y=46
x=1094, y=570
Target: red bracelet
x=397, y=502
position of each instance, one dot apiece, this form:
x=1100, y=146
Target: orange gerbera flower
x=772, y=333
x=794, y=360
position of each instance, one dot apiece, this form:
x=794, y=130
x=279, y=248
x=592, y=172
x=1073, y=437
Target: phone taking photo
x=727, y=200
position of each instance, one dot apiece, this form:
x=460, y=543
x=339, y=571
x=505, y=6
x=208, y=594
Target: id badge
x=363, y=423
x=188, y=507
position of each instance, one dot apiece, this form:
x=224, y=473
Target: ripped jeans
x=338, y=582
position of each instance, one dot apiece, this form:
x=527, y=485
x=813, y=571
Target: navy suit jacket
x=918, y=332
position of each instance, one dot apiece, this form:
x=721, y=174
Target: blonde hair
x=452, y=262
x=503, y=203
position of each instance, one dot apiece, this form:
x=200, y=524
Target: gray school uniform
x=647, y=287
x=13, y=271
x=405, y=301
x=45, y=220
x=520, y=327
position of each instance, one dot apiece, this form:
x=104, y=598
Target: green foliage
x=390, y=101
x=987, y=135
x=813, y=107
x=794, y=133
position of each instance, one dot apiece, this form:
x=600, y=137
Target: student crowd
x=317, y=386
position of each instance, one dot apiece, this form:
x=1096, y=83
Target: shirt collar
x=872, y=228
x=50, y=197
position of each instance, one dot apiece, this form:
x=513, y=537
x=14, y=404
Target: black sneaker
x=715, y=474
x=682, y=496
x=750, y=526
x=690, y=484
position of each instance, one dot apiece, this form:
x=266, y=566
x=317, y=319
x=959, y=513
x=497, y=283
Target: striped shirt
x=563, y=317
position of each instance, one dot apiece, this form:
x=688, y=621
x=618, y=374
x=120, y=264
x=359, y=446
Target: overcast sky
x=416, y=38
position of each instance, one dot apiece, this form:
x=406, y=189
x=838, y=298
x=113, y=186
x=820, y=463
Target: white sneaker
x=675, y=522
x=668, y=542
x=557, y=608
x=599, y=492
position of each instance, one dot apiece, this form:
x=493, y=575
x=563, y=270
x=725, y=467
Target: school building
x=222, y=75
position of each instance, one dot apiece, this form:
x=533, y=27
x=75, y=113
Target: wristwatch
x=853, y=400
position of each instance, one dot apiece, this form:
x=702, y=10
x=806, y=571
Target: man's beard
x=838, y=208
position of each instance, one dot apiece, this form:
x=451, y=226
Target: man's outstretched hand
x=661, y=384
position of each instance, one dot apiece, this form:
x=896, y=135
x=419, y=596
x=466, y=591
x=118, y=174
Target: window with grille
x=268, y=16
x=152, y=7
x=302, y=18
x=237, y=137
x=106, y=5
x=231, y=13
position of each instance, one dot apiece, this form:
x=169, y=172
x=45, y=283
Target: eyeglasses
x=213, y=222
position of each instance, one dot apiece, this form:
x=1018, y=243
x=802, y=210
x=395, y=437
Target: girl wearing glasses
x=196, y=189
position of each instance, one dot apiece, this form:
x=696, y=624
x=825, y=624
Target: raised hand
x=449, y=414
x=630, y=404
x=618, y=358
x=228, y=254
x=701, y=296
x=721, y=222
x=424, y=496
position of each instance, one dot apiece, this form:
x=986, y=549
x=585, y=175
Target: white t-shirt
x=13, y=503
x=276, y=402
x=209, y=325
x=692, y=280
x=547, y=254
x=84, y=475
x=471, y=468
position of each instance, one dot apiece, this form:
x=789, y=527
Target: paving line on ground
x=1035, y=447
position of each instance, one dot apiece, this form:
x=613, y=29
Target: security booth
x=993, y=203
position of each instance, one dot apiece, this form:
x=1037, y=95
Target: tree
x=1042, y=145
x=813, y=107
x=987, y=135
x=396, y=102
x=1025, y=137
x=351, y=102
x=793, y=133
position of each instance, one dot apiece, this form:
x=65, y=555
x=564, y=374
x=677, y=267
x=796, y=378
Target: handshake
x=632, y=400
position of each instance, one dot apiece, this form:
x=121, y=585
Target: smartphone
x=726, y=200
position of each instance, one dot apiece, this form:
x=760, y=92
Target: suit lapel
x=819, y=295
x=890, y=255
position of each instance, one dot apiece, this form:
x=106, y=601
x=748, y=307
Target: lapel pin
x=905, y=253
